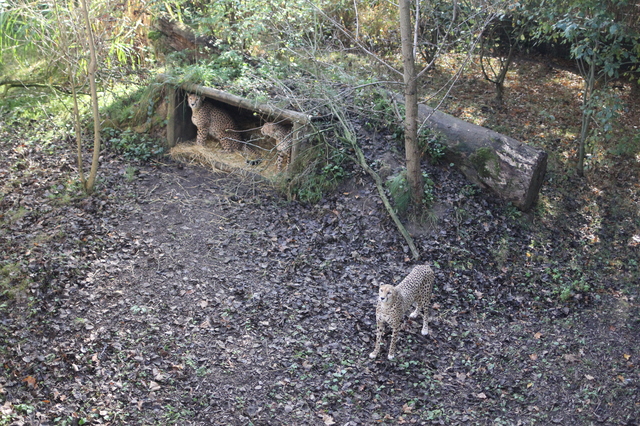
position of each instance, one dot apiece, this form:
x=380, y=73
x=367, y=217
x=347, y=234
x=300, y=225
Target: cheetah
x=282, y=134
x=393, y=302
x=214, y=121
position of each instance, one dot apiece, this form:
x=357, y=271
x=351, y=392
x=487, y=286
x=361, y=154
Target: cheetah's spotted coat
x=393, y=302
x=282, y=134
x=214, y=121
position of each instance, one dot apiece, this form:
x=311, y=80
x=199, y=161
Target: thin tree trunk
x=78, y=128
x=500, y=93
x=94, y=101
x=415, y=29
x=76, y=114
x=500, y=76
x=412, y=153
x=355, y=8
x=587, y=95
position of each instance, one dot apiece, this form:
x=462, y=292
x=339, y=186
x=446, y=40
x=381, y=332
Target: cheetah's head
x=267, y=129
x=386, y=294
x=194, y=100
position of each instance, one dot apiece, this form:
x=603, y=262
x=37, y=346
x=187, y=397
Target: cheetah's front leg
x=282, y=158
x=201, y=136
x=395, y=327
x=379, y=333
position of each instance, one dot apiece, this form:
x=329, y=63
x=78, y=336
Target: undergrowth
x=14, y=283
x=317, y=172
x=231, y=71
x=400, y=192
x=133, y=145
x=381, y=115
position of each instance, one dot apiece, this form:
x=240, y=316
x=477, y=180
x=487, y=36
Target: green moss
x=13, y=281
x=486, y=162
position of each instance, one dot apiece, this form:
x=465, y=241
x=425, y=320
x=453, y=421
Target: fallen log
x=266, y=110
x=509, y=168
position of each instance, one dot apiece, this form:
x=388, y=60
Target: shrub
x=132, y=145
x=399, y=189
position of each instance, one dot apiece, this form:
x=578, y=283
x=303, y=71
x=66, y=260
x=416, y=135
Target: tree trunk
x=587, y=112
x=412, y=152
x=512, y=170
x=71, y=73
x=91, y=74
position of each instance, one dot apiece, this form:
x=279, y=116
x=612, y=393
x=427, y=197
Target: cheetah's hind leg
x=422, y=306
x=425, y=316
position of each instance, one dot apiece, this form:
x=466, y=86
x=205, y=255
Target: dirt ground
x=179, y=295
x=207, y=299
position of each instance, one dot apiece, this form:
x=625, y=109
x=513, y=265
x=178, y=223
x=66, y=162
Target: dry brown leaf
x=31, y=381
x=570, y=358
x=327, y=419
x=6, y=409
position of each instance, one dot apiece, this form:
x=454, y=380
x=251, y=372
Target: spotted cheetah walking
x=393, y=302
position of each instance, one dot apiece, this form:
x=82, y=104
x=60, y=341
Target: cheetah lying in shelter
x=393, y=302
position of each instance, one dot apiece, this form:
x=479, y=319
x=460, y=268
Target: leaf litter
x=188, y=297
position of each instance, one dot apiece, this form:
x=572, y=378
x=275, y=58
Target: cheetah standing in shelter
x=214, y=121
